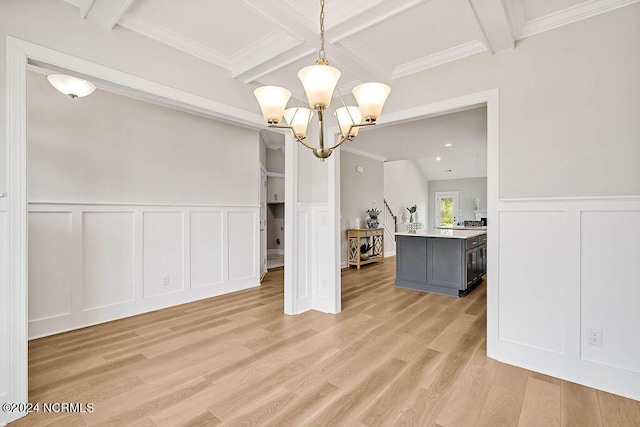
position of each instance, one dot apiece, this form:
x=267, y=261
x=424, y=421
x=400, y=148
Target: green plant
x=412, y=209
x=373, y=213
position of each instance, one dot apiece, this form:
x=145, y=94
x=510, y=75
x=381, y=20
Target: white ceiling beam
x=516, y=16
x=495, y=29
x=362, y=63
x=369, y=18
x=107, y=13
x=82, y=5
x=370, y=67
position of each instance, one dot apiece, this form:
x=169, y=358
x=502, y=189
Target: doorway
x=446, y=209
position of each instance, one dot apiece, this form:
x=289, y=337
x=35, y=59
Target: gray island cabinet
x=443, y=261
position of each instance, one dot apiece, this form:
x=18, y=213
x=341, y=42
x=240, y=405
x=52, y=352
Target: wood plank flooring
x=392, y=357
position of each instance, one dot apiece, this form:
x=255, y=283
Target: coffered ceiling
x=267, y=41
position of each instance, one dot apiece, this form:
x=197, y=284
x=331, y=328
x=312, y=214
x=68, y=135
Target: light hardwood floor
x=392, y=357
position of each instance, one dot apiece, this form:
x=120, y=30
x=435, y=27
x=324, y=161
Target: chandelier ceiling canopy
x=319, y=82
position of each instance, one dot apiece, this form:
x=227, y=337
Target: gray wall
x=358, y=191
x=468, y=190
x=569, y=106
x=275, y=160
x=405, y=185
x=114, y=149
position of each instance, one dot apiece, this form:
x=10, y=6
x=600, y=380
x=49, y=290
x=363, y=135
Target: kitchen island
x=443, y=261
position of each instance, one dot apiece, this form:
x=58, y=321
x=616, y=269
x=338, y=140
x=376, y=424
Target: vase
x=373, y=223
x=411, y=217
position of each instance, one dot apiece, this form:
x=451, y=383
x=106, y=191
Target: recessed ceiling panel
x=226, y=27
x=424, y=30
x=536, y=8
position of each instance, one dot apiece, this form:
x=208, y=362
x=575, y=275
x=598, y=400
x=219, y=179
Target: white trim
x=570, y=15
x=273, y=44
x=567, y=198
x=16, y=144
x=352, y=150
x=275, y=175
x=124, y=6
x=169, y=205
x=215, y=109
x=18, y=53
x=448, y=55
x=173, y=39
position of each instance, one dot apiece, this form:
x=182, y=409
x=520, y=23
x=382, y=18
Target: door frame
x=491, y=99
x=18, y=54
x=436, y=211
x=263, y=221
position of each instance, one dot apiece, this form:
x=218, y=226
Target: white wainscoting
x=95, y=263
x=564, y=266
x=4, y=308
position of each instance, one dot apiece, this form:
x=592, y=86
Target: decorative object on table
x=412, y=211
x=411, y=228
x=476, y=204
x=357, y=222
x=319, y=81
x=373, y=222
x=364, y=251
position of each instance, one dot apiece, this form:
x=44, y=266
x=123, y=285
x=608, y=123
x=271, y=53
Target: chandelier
x=319, y=82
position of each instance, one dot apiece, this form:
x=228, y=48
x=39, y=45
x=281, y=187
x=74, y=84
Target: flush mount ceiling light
x=448, y=145
x=71, y=86
x=319, y=82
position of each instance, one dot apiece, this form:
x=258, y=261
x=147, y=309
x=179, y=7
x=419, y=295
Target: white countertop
x=449, y=233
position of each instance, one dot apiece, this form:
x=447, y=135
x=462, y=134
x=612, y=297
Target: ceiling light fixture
x=438, y=159
x=319, y=82
x=448, y=145
x=71, y=86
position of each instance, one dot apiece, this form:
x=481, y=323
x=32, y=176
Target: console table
x=356, y=237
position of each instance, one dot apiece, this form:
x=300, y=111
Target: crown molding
x=362, y=153
x=273, y=44
x=168, y=37
x=571, y=15
x=449, y=55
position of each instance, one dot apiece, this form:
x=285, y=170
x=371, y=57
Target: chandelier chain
x=322, y=53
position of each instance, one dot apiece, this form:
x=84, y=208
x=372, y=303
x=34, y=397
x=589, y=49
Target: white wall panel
x=207, y=250
x=242, y=245
x=50, y=252
x=610, y=282
x=108, y=244
x=109, y=261
x=532, y=278
x=303, y=252
x=163, y=253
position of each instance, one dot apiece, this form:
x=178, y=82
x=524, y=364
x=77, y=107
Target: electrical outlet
x=166, y=280
x=594, y=337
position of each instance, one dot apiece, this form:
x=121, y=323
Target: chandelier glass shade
x=319, y=82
